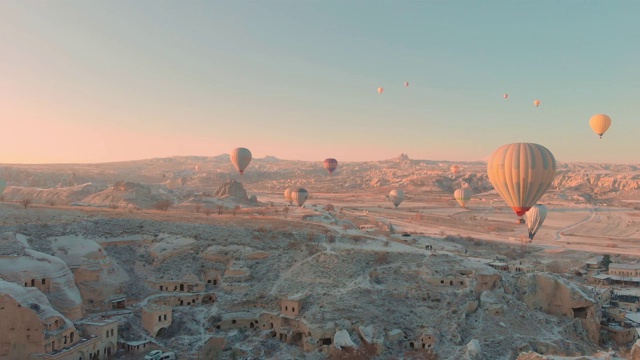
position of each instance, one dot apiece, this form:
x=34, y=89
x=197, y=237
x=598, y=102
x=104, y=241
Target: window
x=65, y=339
x=293, y=309
x=43, y=281
x=72, y=336
x=33, y=282
x=111, y=332
x=165, y=316
x=160, y=318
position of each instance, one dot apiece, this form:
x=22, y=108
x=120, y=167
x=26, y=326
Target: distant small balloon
x=380, y=90
x=536, y=103
x=396, y=196
x=406, y=83
x=506, y=96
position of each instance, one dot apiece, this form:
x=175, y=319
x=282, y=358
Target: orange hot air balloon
x=506, y=96
x=536, y=103
x=406, y=83
x=600, y=124
x=330, y=165
x=380, y=90
x=455, y=169
x=521, y=173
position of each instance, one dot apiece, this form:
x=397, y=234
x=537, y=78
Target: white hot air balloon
x=535, y=218
x=462, y=196
x=240, y=157
x=396, y=196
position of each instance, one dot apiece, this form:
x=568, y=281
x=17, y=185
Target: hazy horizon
x=99, y=82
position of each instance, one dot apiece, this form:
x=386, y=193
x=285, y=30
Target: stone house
x=156, y=318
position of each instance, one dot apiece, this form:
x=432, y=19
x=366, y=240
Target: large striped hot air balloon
x=330, y=165
x=462, y=196
x=299, y=196
x=600, y=124
x=535, y=218
x=240, y=157
x=521, y=173
x=396, y=196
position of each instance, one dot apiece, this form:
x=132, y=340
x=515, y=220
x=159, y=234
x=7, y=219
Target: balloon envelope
x=299, y=196
x=462, y=196
x=521, y=173
x=406, y=83
x=330, y=165
x=455, y=169
x=380, y=90
x=396, y=196
x=600, y=123
x=506, y=96
x=240, y=157
x=536, y=103
x=287, y=195
x=535, y=218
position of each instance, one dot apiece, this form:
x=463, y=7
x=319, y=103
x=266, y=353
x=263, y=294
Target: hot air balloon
x=396, y=196
x=536, y=103
x=455, y=169
x=600, y=124
x=330, y=165
x=521, y=173
x=287, y=195
x=197, y=167
x=406, y=83
x=380, y=90
x=535, y=218
x=3, y=185
x=506, y=96
x=241, y=157
x=462, y=195
x=299, y=196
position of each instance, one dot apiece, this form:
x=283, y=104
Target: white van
x=153, y=355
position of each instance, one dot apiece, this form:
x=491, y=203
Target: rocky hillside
x=144, y=182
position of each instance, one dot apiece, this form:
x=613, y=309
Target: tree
x=163, y=205
x=198, y=207
x=219, y=207
x=207, y=211
x=606, y=260
x=236, y=209
x=26, y=202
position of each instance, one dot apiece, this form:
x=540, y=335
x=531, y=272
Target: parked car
x=168, y=356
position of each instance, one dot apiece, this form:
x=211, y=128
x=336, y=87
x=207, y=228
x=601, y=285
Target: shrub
x=163, y=205
x=26, y=202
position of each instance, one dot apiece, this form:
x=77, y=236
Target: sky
x=101, y=81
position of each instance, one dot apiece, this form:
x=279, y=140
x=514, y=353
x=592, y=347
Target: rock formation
x=232, y=188
x=49, y=274
x=554, y=295
x=97, y=277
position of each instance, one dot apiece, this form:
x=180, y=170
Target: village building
x=624, y=270
x=138, y=347
x=189, y=283
x=31, y=328
x=156, y=317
